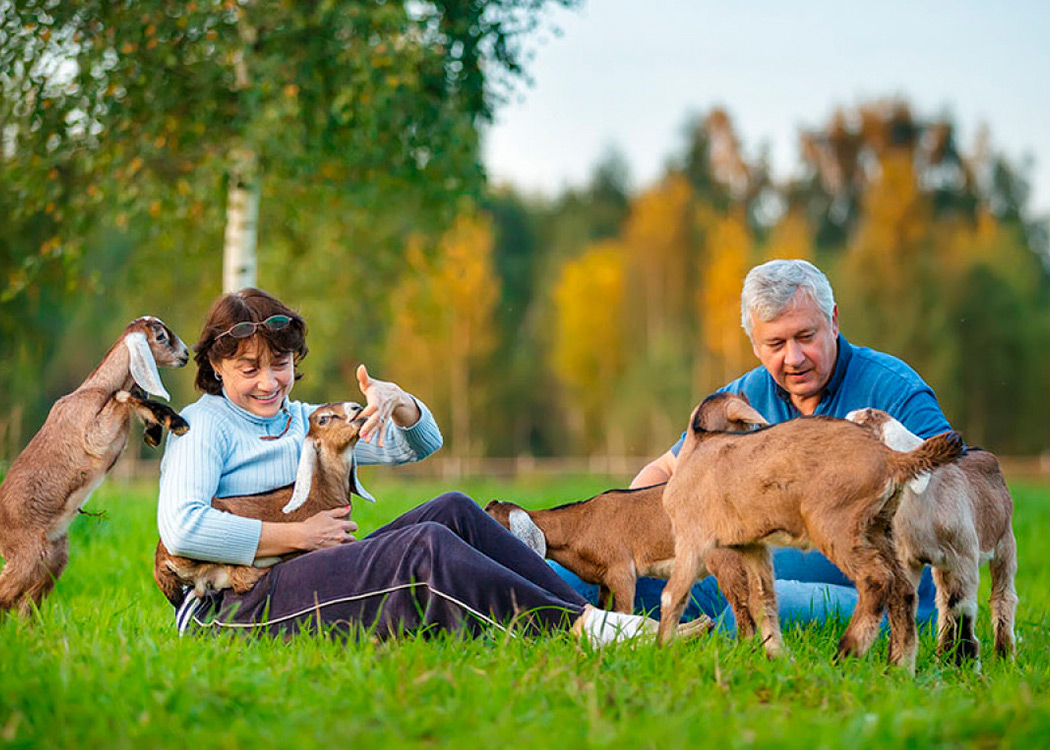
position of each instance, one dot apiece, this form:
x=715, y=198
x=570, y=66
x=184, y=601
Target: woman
x=442, y=566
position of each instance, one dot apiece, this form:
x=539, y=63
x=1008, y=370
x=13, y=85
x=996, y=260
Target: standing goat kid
x=813, y=481
x=955, y=519
x=323, y=482
x=613, y=538
x=79, y=442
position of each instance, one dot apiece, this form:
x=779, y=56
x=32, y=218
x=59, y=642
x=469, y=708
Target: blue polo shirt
x=862, y=378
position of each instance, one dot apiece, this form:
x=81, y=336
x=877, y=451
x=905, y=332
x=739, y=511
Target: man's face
x=798, y=347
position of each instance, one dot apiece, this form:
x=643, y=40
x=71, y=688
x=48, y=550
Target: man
x=788, y=310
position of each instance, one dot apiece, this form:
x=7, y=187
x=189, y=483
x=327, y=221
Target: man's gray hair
x=770, y=287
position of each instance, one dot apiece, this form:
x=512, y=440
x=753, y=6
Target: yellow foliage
x=791, y=238
x=896, y=220
x=442, y=323
x=718, y=297
x=589, y=342
x=658, y=238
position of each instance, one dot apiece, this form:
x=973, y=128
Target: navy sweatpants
x=443, y=566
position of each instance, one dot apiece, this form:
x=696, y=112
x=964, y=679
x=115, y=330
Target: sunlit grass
x=101, y=666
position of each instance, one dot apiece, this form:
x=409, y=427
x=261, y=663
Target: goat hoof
x=151, y=435
x=178, y=425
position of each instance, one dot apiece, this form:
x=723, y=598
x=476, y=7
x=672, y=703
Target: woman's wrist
x=407, y=413
x=280, y=539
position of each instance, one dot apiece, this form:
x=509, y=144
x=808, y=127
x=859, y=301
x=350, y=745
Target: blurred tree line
x=589, y=322
x=598, y=318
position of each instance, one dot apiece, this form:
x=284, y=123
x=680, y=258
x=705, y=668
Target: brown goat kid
x=323, y=483
x=957, y=519
x=813, y=481
x=82, y=437
x=613, y=538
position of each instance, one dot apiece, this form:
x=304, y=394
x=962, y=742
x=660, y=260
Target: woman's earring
x=218, y=377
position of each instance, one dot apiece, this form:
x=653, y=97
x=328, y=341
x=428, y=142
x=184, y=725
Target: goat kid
x=955, y=519
x=82, y=437
x=323, y=482
x=813, y=481
x=613, y=538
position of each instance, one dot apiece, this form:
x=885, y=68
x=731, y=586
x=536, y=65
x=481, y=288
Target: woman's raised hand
x=385, y=401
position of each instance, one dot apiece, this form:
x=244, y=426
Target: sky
x=628, y=74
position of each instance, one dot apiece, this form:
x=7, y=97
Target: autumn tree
x=443, y=327
x=726, y=353
x=137, y=98
x=589, y=347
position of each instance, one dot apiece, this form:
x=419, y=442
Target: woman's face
x=256, y=379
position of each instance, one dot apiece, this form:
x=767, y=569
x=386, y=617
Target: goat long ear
x=304, y=477
x=738, y=411
x=524, y=528
x=143, y=366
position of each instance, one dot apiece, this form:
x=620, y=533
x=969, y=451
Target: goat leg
x=688, y=562
x=31, y=573
x=165, y=575
x=152, y=434
x=957, y=610
x=621, y=584
x=763, y=597
x=727, y=566
x=872, y=577
x=243, y=577
x=1003, y=569
x=154, y=414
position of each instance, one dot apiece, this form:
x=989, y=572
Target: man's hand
x=385, y=401
x=657, y=471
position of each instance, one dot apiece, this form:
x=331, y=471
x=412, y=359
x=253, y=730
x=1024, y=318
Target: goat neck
x=331, y=480
x=113, y=373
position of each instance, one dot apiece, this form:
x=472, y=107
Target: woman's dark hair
x=246, y=306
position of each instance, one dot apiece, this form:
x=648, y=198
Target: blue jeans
x=810, y=589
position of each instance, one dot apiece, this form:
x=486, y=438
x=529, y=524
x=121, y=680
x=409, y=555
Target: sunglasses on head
x=248, y=328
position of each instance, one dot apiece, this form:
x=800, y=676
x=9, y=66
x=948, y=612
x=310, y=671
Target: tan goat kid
x=813, y=481
x=82, y=437
x=956, y=519
x=613, y=538
x=323, y=482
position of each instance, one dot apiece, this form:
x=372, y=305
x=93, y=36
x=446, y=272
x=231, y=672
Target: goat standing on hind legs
x=812, y=481
x=82, y=437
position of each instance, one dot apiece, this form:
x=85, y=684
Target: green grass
x=101, y=667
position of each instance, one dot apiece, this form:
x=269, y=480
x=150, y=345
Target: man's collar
x=843, y=355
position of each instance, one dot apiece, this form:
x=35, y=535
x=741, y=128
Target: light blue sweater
x=222, y=456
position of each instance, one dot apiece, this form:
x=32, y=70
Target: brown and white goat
x=813, y=481
x=955, y=519
x=79, y=442
x=323, y=482
x=613, y=538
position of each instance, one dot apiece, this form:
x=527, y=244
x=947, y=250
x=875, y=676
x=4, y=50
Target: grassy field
x=101, y=667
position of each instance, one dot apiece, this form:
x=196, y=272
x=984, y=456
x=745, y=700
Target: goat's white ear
x=304, y=477
x=143, y=366
x=524, y=528
x=355, y=483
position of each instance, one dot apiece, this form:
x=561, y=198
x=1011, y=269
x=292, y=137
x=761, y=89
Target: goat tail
x=936, y=451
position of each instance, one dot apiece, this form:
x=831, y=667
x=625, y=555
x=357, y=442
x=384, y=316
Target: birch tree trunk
x=242, y=196
x=242, y=221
